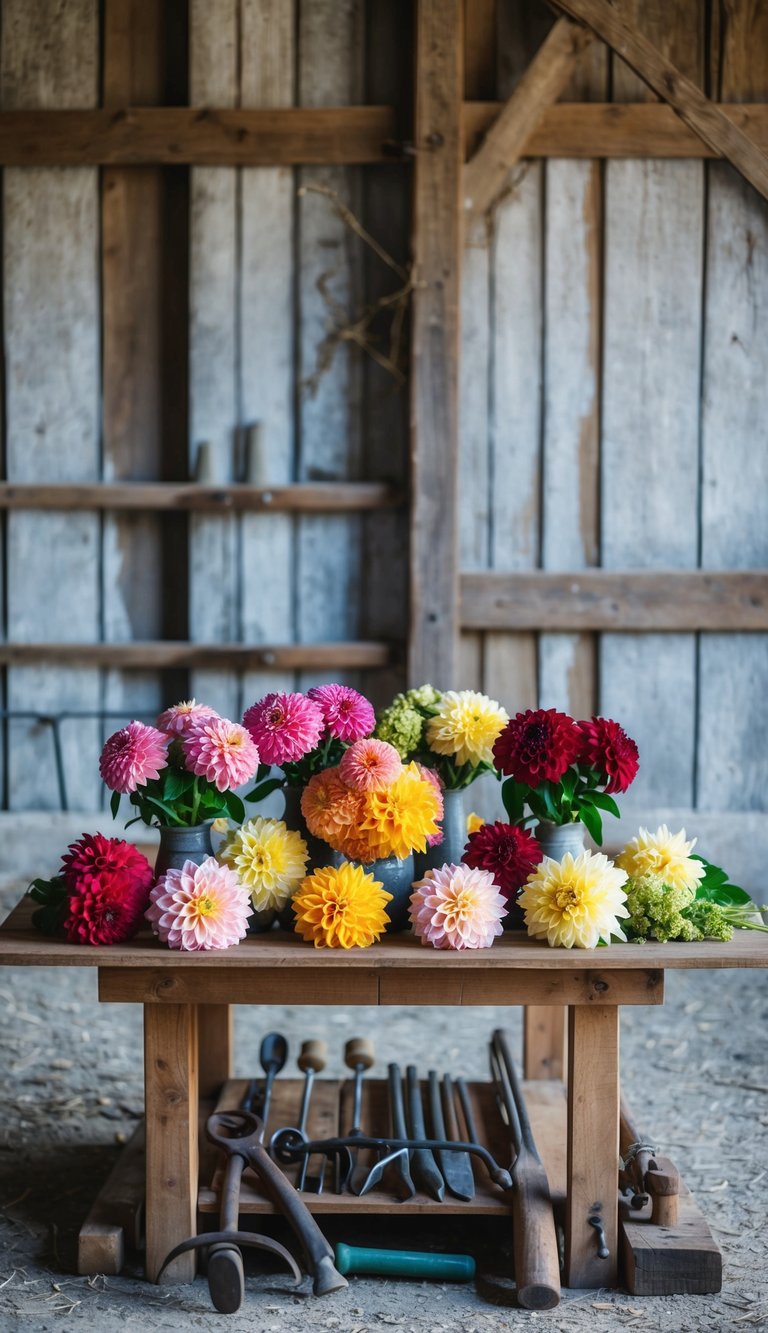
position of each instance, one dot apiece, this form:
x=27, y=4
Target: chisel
x=455, y=1166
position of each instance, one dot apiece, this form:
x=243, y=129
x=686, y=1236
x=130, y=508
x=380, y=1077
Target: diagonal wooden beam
x=701, y=115
x=546, y=76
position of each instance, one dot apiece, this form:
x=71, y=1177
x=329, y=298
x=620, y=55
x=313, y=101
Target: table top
x=22, y=945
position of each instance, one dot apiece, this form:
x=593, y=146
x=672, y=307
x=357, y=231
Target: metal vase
x=178, y=845
x=454, y=826
x=557, y=839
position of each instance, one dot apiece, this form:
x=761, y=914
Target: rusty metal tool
x=359, y=1056
x=273, y=1054
x=289, y=1148
x=311, y=1061
x=537, y=1263
x=424, y=1169
x=400, y=1164
x=455, y=1166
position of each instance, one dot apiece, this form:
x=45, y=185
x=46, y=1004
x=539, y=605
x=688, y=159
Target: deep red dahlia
x=106, y=911
x=536, y=745
x=510, y=853
x=607, y=747
x=96, y=859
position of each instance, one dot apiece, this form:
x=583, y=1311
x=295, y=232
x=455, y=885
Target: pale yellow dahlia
x=466, y=726
x=268, y=858
x=339, y=907
x=576, y=901
x=400, y=819
x=662, y=853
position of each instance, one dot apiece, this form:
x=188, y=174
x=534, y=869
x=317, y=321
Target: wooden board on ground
x=682, y=1260
x=115, y=1220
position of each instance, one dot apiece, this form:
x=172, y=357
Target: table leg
x=593, y=1144
x=214, y=1042
x=171, y=1098
x=544, y=1041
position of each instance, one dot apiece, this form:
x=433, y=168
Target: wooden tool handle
x=537, y=1263
x=662, y=1182
x=313, y=1055
x=359, y=1051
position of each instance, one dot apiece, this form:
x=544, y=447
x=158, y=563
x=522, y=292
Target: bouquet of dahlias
x=305, y=733
x=563, y=770
x=180, y=772
x=371, y=806
x=452, y=732
x=99, y=895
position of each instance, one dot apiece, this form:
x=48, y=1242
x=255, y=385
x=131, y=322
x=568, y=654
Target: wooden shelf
x=300, y=498
x=159, y=655
x=167, y=136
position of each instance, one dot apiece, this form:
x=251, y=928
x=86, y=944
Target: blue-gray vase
x=178, y=845
x=454, y=826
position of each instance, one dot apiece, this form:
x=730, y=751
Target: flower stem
x=195, y=802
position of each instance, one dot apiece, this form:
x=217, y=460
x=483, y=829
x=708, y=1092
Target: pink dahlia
x=348, y=715
x=508, y=852
x=94, y=859
x=285, y=727
x=132, y=756
x=107, y=910
x=176, y=721
x=221, y=751
x=607, y=747
x=370, y=765
x=199, y=907
x=457, y=907
x=431, y=776
x=536, y=745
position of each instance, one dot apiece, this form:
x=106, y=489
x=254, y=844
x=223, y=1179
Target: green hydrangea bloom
x=656, y=909
x=709, y=921
x=423, y=696
x=401, y=725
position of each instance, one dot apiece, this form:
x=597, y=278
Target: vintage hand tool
x=405, y=1263
x=273, y=1054
x=311, y=1061
x=399, y=1163
x=359, y=1055
x=455, y=1166
x=645, y=1172
x=537, y=1264
x=289, y=1148
x=424, y=1169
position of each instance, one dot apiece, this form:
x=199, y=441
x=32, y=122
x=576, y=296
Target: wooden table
x=187, y=1001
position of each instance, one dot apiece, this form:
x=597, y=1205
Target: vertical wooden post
x=436, y=245
x=171, y=1096
x=593, y=1144
x=214, y=1045
x=544, y=1041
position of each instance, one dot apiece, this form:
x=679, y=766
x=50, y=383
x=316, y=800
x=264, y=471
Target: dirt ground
x=696, y=1072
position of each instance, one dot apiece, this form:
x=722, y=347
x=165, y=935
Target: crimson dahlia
x=94, y=858
x=606, y=747
x=537, y=745
x=510, y=853
x=107, y=911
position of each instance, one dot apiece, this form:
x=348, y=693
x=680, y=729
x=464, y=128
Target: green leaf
x=234, y=806
x=513, y=797
x=544, y=790
x=262, y=772
x=114, y=803
x=264, y=789
x=568, y=783
x=603, y=801
x=164, y=808
x=729, y=895
x=590, y=817
x=176, y=783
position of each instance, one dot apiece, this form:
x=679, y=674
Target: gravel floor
x=73, y=1091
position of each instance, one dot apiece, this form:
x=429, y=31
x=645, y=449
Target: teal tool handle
x=405, y=1263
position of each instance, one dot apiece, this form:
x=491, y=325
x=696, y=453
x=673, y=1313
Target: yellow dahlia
x=330, y=807
x=474, y=822
x=466, y=726
x=575, y=901
x=268, y=858
x=665, y=854
x=340, y=907
x=400, y=819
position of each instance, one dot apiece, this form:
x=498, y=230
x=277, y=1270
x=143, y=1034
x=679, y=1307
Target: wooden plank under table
x=185, y=996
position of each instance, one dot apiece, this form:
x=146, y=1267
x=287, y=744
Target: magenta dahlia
x=607, y=747
x=537, y=745
x=109, y=910
x=508, y=852
x=285, y=727
x=348, y=716
x=96, y=859
x=221, y=751
x=132, y=756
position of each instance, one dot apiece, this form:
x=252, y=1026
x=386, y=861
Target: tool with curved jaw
x=288, y=1149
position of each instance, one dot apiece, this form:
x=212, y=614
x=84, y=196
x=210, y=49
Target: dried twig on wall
x=344, y=328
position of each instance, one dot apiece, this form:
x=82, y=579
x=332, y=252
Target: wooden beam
x=314, y=497
x=607, y=599
x=593, y=1118
x=436, y=246
x=171, y=1098
x=699, y=113
x=542, y=83
x=160, y=655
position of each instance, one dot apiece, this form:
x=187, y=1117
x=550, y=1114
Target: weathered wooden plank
x=593, y=1117
x=51, y=326
x=115, y=1219
x=667, y=600
x=480, y=21
x=265, y=339
x=629, y=40
x=204, y=657
x=320, y=497
x=215, y=391
x=651, y=374
x=436, y=244
x=733, y=709
x=545, y=78
x=132, y=370
x=545, y=1041
x=171, y=1098
x=474, y=461
x=215, y=1046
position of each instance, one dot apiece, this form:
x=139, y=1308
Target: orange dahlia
x=330, y=807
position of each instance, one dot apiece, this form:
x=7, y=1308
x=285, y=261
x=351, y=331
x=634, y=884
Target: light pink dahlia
x=457, y=907
x=348, y=715
x=285, y=727
x=132, y=756
x=221, y=751
x=370, y=765
x=431, y=776
x=199, y=907
x=176, y=721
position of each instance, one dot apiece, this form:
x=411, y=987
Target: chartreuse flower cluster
x=452, y=732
